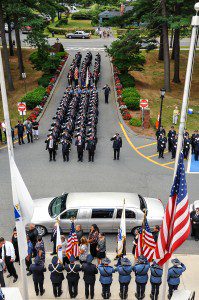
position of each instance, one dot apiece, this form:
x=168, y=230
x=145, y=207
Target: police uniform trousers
x=124, y=290
x=173, y=151
x=91, y=154
x=172, y=288
x=2, y=282
x=117, y=153
x=161, y=152
x=89, y=286
x=72, y=287
x=10, y=267
x=20, y=139
x=155, y=290
x=52, y=153
x=65, y=155
x=106, y=291
x=186, y=152
x=196, y=155
x=39, y=286
x=80, y=154
x=57, y=289
x=106, y=98
x=170, y=145
x=140, y=287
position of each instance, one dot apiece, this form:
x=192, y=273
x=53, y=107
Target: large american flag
x=146, y=243
x=176, y=222
x=72, y=243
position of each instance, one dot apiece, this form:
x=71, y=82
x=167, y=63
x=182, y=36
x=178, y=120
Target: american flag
x=176, y=222
x=76, y=75
x=72, y=243
x=146, y=244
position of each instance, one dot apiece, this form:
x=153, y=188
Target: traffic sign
x=144, y=103
x=21, y=107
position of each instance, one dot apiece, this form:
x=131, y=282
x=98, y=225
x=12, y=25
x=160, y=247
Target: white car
x=103, y=209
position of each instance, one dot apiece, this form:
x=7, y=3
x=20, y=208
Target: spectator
x=40, y=248
x=156, y=231
x=3, y=126
x=37, y=269
x=14, y=241
x=79, y=232
x=195, y=223
x=83, y=249
x=29, y=256
x=20, y=132
x=33, y=234
x=175, y=115
x=64, y=247
x=35, y=129
x=101, y=248
x=8, y=255
x=135, y=241
x=29, y=131
x=93, y=239
x=2, y=268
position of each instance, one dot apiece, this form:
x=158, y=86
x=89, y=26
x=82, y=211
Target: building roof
x=109, y=14
x=128, y=8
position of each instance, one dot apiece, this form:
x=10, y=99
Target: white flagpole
x=19, y=223
x=187, y=86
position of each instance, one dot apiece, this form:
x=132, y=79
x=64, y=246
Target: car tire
x=70, y=37
x=41, y=230
x=83, y=37
x=134, y=229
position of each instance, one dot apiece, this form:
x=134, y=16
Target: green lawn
x=77, y=23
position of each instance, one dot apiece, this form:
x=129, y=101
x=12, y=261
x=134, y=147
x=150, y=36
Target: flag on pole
x=146, y=243
x=121, y=244
x=76, y=73
x=59, y=244
x=87, y=77
x=175, y=227
x=72, y=243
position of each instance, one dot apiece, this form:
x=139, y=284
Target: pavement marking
x=138, y=152
x=156, y=154
x=144, y=146
x=15, y=142
x=169, y=163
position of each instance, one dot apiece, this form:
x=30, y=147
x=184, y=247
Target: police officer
x=107, y=91
x=141, y=276
x=173, y=277
x=159, y=133
x=72, y=276
x=155, y=279
x=186, y=147
x=106, y=272
x=80, y=144
x=56, y=276
x=37, y=269
x=171, y=136
x=124, y=271
x=89, y=270
x=193, y=137
x=196, y=148
x=195, y=223
x=66, y=149
x=117, y=144
x=162, y=142
x=91, y=146
x=174, y=146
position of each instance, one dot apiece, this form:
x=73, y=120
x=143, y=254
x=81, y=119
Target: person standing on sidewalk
x=175, y=115
x=117, y=144
x=72, y=276
x=33, y=234
x=141, y=269
x=29, y=256
x=90, y=270
x=155, y=279
x=106, y=277
x=8, y=255
x=173, y=277
x=107, y=91
x=51, y=147
x=35, y=129
x=124, y=270
x=29, y=131
x=20, y=131
x=37, y=269
x=2, y=268
x=56, y=276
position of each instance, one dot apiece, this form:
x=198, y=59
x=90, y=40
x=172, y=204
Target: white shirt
x=51, y=144
x=3, y=125
x=10, y=251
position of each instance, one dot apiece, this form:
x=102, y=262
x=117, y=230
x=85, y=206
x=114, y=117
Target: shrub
x=34, y=98
x=135, y=122
x=44, y=80
x=83, y=14
x=127, y=80
x=62, y=22
x=153, y=122
x=131, y=98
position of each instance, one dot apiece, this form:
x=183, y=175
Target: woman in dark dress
x=93, y=239
x=135, y=241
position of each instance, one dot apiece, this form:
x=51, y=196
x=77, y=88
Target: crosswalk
x=84, y=49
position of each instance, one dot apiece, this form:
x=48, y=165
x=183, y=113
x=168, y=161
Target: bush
x=153, y=122
x=44, y=80
x=135, y=122
x=62, y=22
x=83, y=14
x=127, y=80
x=34, y=98
x=131, y=98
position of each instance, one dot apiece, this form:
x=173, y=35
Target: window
x=57, y=205
x=102, y=213
x=129, y=214
x=69, y=214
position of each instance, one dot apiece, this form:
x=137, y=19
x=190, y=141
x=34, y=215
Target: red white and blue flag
x=72, y=243
x=175, y=227
x=146, y=243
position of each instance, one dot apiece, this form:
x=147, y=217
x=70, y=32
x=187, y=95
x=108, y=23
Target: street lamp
x=23, y=75
x=162, y=94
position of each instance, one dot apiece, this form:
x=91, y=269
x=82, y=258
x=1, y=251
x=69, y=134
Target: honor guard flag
x=175, y=227
x=72, y=243
x=87, y=77
x=122, y=234
x=59, y=244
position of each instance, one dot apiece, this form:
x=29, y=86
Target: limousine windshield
x=57, y=205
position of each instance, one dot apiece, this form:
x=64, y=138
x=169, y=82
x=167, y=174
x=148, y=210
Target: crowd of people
x=91, y=247
x=77, y=115
x=172, y=139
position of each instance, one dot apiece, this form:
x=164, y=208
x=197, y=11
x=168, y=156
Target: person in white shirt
x=8, y=255
x=2, y=267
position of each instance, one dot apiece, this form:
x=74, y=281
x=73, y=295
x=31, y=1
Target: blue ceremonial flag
x=122, y=234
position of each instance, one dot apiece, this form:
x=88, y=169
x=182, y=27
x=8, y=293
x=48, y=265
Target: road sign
x=144, y=103
x=21, y=107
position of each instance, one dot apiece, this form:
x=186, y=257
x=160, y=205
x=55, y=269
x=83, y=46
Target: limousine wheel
x=134, y=229
x=41, y=230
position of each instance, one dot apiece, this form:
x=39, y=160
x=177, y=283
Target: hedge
x=135, y=122
x=127, y=80
x=64, y=31
x=44, y=80
x=131, y=98
x=82, y=15
x=34, y=98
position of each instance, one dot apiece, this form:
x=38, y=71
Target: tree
x=165, y=47
x=126, y=52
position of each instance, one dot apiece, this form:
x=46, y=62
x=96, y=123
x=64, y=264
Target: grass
x=76, y=23
x=15, y=96
x=149, y=82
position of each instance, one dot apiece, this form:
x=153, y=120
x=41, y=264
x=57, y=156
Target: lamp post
x=162, y=94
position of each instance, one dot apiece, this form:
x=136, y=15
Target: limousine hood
x=41, y=210
x=155, y=208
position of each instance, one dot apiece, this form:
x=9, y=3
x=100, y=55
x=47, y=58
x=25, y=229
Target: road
x=133, y=173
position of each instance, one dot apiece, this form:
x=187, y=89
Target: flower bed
x=38, y=108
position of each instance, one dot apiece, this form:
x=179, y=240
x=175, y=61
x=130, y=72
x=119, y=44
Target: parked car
x=78, y=35
x=26, y=29
x=104, y=209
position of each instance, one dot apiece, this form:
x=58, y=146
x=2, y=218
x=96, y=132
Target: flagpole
x=19, y=223
x=187, y=86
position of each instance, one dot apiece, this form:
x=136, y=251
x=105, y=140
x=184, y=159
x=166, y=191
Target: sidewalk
x=189, y=281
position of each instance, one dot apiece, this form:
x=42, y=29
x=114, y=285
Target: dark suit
x=91, y=146
x=80, y=149
x=37, y=271
x=117, y=144
x=73, y=278
x=89, y=270
x=56, y=278
x=51, y=150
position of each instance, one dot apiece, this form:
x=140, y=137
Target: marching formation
x=77, y=115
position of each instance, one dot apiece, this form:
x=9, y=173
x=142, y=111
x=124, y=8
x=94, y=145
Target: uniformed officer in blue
x=155, y=279
x=141, y=276
x=72, y=276
x=106, y=272
x=173, y=277
x=56, y=276
x=124, y=270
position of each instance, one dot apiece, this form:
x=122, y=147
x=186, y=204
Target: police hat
x=142, y=259
x=106, y=261
x=176, y=262
x=89, y=258
x=125, y=261
x=37, y=260
x=54, y=260
x=72, y=259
